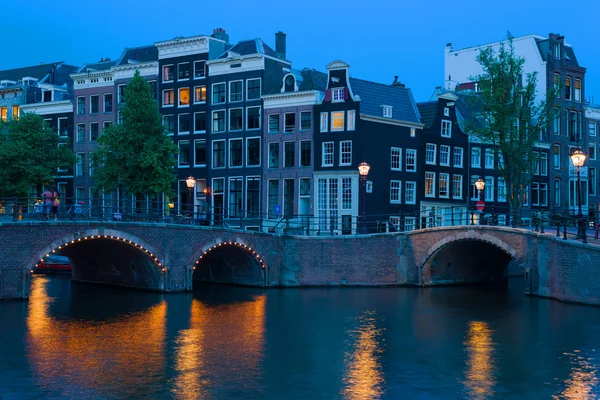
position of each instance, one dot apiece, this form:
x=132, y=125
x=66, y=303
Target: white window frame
x=387, y=111
x=341, y=113
x=229, y=120
x=396, y=152
x=395, y=192
x=592, y=127
x=269, y=123
x=433, y=184
x=543, y=163
x=206, y=148
x=460, y=186
x=241, y=94
x=430, y=148
x=104, y=102
x=259, y=118
x=300, y=120
x=179, y=131
x=212, y=91
x=212, y=121
x=337, y=95
x=179, y=105
x=163, y=73
x=413, y=152
x=473, y=151
x=446, y=128
x=248, y=153
x=324, y=121
x=229, y=153
x=457, y=151
x=444, y=176
x=259, y=88
x=351, y=117
x=205, y=121
x=447, y=148
x=325, y=146
x=178, y=71
x=489, y=156
x=205, y=94
x=501, y=193
x=163, y=98
x=179, y=153
x=203, y=69
x=446, y=112
x=410, y=188
x=590, y=145
x=342, y=153
x=488, y=190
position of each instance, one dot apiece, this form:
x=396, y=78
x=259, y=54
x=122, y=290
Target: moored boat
x=54, y=264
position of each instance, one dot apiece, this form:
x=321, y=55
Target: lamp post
x=190, y=183
x=207, y=192
x=363, y=170
x=480, y=185
x=578, y=158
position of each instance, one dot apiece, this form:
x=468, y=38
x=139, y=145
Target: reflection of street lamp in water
x=479, y=373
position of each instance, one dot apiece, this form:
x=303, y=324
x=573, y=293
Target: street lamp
x=578, y=158
x=363, y=171
x=207, y=192
x=190, y=183
x=480, y=185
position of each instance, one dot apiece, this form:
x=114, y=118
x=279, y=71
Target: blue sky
x=378, y=38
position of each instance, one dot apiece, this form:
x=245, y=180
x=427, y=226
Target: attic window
x=446, y=112
x=557, y=50
x=81, y=82
x=289, y=83
x=338, y=94
x=235, y=65
x=387, y=111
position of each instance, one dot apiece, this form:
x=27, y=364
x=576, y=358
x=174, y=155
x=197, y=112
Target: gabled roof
x=374, y=95
x=247, y=47
x=138, y=55
x=40, y=72
x=544, y=48
x=94, y=67
x=428, y=111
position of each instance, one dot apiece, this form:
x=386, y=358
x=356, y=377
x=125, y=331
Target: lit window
x=168, y=73
x=429, y=184
x=168, y=97
x=184, y=97
x=444, y=183
x=199, y=94
x=337, y=121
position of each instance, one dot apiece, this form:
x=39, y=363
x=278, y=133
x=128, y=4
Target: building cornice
x=183, y=46
x=291, y=99
x=391, y=121
x=51, y=107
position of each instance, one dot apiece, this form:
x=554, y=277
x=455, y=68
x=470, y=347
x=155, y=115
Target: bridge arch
x=466, y=257
x=230, y=261
x=109, y=256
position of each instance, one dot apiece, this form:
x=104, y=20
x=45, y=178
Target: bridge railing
x=326, y=222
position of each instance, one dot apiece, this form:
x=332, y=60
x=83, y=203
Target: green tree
x=136, y=155
x=510, y=117
x=30, y=155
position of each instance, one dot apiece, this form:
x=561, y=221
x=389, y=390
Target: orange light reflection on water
x=582, y=383
x=479, y=374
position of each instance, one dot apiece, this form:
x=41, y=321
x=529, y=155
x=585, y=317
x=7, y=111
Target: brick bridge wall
x=553, y=268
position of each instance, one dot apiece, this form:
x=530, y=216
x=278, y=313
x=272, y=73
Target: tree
x=510, y=117
x=30, y=155
x=136, y=155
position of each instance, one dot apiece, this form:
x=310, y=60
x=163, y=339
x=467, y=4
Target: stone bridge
x=171, y=257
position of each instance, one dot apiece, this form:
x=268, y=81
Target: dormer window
x=47, y=96
x=446, y=112
x=338, y=94
x=387, y=111
x=289, y=84
x=557, y=50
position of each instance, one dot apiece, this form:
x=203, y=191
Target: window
x=169, y=123
x=252, y=196
x=290, y=122
x=305, y=153
x=199, y=69
x=4, y=113
x=235, y=152
x=543, y=163
x=413, y=132
x=410, y=192
x=387, y=111
x=409, y=223
x=327, y=154
x=568, y=88
x=592, y=150
x=396, y=161
x=184, y=97
x=345, y=152
x=337, y=121
x=79, y=164
x=351, y=120
x=94, y=131
x=235, y=119
x=535, y=193
x=305, y=120
x=489, y=158
x=200, y=122
x=457, y=186
x=94, y=104
x=107, y=102
x=446, y=128
x=557, y=124
x=121, y=93
x=289, y=83
x=218, y=93
x=557, y=192
x=489, y=188
x=501, y=189
x=272, y=197
x=218, y=119
x=168, y=73
x=199, y=94
x=289, y=149
x=63, y=127
x=592, y=129
x=184, y=123
x=543, y=194
x=218, y=155
x=106, y=125
x=444, y=185
x=430, y=150
x=252, y=152
x=475, y=157
x=236, y=91
x=557, y=50
x=577, y=89
x=429, y=184
x=253, y=118
x=80, y=133
x=557, y=82
x=324, y=122
x=445, y=155
x=579, y=125
x=556, y=156
x=395, y=192
x=458, y=157
x=184, y=153
x=184, y=71
x=200, y=152
x=273, y=123
x=337, y=94
x=274, y=155
x=80, y=107
x=235, y=197
x=411, y=160
x=253, y=89
x=346, y=193
x=592, y=181
x=168, y=97
x=152, y=85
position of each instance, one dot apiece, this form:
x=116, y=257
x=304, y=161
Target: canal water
x=78, y=341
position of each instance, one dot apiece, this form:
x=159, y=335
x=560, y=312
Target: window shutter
x=328, y=95
x=345, y=93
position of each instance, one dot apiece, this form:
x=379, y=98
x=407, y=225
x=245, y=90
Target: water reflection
x=364, y=378
x=582, y=381
x=222, y=349
x=479, y=374
x=121, y=356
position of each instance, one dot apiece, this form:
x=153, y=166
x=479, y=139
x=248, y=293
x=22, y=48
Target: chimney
x=398, y=84
x=280, y=44
x=219, y=33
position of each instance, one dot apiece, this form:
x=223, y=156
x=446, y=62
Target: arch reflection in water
x=116, y=356
x=479, y=374
x=363, y=377
x=230, y=333
x=582, y=383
